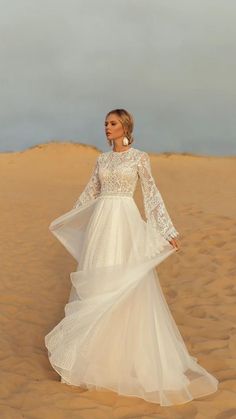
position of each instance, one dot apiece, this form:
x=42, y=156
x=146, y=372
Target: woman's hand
x=175, y=243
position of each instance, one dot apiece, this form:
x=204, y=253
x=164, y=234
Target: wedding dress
x=118, y=332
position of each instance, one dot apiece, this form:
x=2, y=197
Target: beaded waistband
x=111, y=193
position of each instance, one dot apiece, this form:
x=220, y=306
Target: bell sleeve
x=91, y=190
x=155, y=210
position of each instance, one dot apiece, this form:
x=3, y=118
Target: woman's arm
x=91, y=190
x=155, y=210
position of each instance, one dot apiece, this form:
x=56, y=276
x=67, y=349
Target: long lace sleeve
x=91, y=190
x=155, y=210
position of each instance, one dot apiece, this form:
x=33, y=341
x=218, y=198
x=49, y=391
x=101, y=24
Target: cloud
x=64, y=64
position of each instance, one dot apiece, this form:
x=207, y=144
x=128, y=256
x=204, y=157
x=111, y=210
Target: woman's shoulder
x=134, y=149
x=135, y=153
x=138, y=150
x=142, y=155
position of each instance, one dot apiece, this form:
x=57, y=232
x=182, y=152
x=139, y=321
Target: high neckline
x=121, y=152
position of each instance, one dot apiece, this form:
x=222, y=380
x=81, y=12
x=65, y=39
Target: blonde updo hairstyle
x=127, y=122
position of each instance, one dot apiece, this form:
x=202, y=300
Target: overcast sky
x=66, y=63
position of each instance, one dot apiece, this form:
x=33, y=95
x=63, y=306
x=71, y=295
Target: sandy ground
x=199, y=281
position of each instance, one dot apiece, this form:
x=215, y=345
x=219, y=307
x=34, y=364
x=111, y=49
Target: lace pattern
x=92, y=189
x=155, y=210
x=118, y=173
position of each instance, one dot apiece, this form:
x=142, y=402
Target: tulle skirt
x=118, y=332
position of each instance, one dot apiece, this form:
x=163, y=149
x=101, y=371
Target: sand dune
x=199, y=281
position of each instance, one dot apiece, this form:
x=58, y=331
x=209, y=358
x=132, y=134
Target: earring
x=125, y=141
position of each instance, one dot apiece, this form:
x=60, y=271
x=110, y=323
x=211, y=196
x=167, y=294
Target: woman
x=118, y=332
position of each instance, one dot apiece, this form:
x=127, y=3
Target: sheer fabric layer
x=118, y=332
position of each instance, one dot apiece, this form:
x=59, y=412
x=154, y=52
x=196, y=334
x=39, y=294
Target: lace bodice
x=117, y=173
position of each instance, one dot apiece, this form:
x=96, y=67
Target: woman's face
x=113, y=127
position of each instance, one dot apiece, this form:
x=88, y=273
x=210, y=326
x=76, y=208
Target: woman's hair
x=127, y=122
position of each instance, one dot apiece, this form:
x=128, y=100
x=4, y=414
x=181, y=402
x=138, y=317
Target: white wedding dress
x=118, y=332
